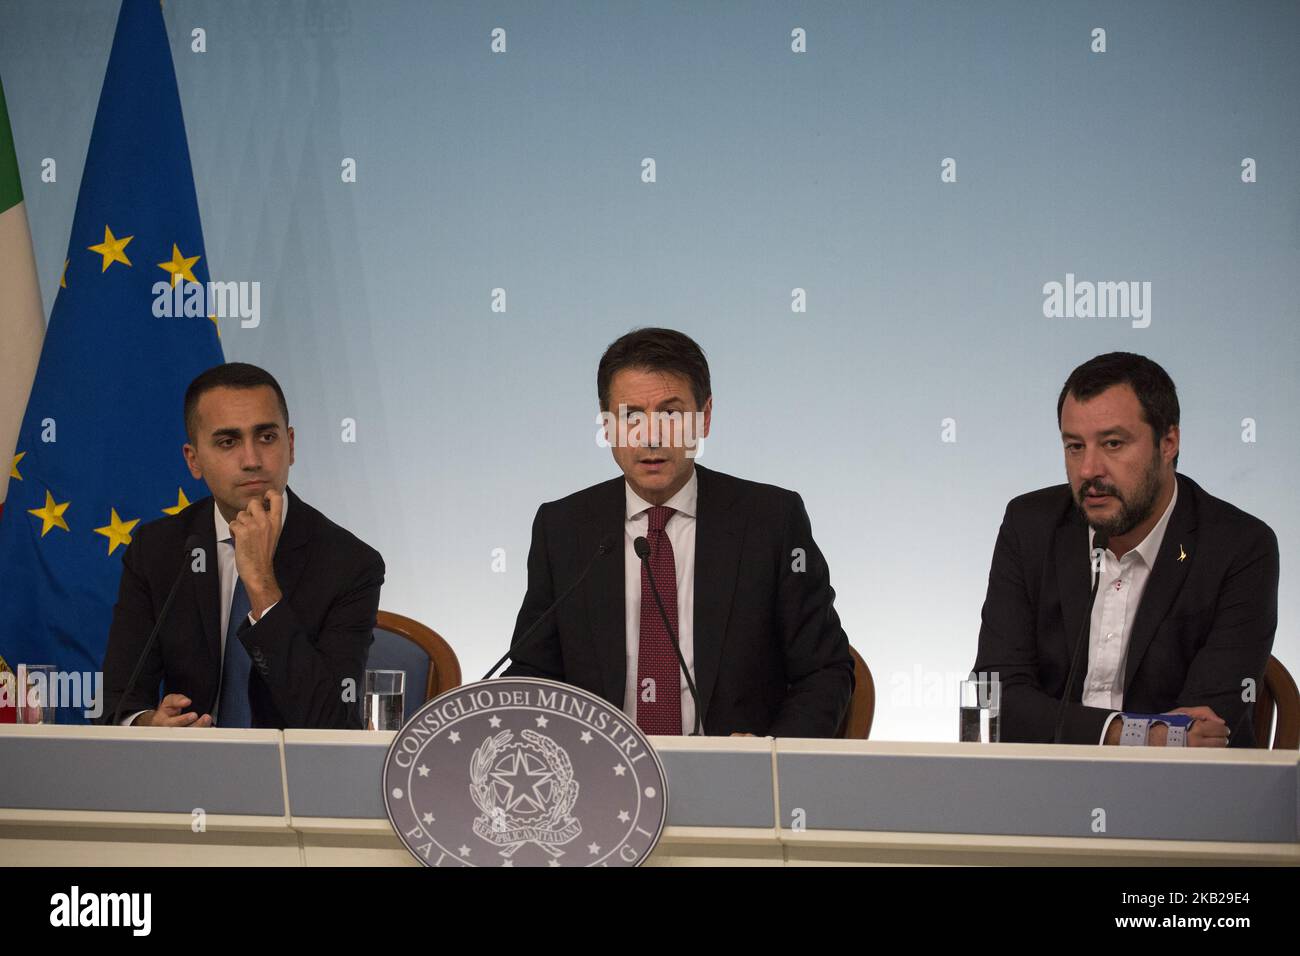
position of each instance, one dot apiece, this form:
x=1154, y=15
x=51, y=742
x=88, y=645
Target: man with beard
x=1186, y=604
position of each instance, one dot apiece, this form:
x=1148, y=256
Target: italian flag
x=22, y=323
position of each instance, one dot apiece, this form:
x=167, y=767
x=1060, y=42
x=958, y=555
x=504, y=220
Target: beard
x=1133, y=510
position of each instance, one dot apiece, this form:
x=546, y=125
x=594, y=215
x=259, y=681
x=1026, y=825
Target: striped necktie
x=658, y=675
x=236, y=667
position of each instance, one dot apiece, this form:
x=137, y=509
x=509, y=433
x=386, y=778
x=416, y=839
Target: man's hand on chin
x=256, y=531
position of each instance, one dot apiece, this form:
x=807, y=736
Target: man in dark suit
x=745, y=589
x=1186, y=606
x=276, y=608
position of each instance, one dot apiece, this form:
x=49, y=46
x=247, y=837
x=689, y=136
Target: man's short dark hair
x=229, y=375
x=1155, y=389
x=655, y=350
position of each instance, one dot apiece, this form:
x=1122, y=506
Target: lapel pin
x=1182, y=555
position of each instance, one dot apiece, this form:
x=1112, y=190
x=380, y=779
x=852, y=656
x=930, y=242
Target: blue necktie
x=236, y=667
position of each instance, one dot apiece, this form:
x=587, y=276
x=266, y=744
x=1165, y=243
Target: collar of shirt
x=683, y=502
x=223, y=526
x=1149, y=547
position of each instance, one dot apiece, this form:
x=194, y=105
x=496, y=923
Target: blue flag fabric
x=100, y=445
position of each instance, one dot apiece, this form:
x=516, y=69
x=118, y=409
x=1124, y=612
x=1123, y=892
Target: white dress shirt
x=1119, y=595
x=228, y=576
x=681, y=535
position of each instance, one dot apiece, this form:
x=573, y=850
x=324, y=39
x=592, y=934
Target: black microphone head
x=193, y=543
x=608, y=543
x=642, y=548
x=1100, y=540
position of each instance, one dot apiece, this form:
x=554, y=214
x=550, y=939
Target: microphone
x=192, y=542
x=607, y=544
x=642, y=548
x=1099, y=542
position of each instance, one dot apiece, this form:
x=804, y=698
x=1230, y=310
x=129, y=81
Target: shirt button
x=1110, y=636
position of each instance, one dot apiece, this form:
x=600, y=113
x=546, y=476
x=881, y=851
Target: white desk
x=95, y=796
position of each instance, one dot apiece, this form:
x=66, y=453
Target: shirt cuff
x=127, y=721
x=1106, y=726
x=253, y=620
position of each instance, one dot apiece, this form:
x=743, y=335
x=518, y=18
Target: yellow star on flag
x=13, y=469
x=216, y=324
x=51, y=515
x=111, y=249
x=181, y=266
x=181, y=503
x=63, y=279
x=117, y=531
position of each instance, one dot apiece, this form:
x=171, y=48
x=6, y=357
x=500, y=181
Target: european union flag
x=100, y=445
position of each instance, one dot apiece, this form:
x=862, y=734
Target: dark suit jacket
x=302, y=650
x=1205, y=623
x=770, y=655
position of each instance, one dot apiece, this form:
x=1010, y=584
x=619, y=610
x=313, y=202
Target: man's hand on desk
x=1209, y=729
x=169, y=714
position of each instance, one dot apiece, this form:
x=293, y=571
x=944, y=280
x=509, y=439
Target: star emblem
x=525, y=771
x=181, y=503
x=541, y=720
x=454, y=737
x=585, y=736
x=111, y=249
x=464, y=850
x=423, y=770
x=51, y=515
x=624, y=816
x=495, y=721
x=63, y=279
x=593, y=848
x=13, y=469
x=117, y=531
x=620, y=770
x=180, y=267
x=428, y=818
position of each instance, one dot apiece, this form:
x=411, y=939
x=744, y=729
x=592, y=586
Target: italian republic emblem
x=518, y=772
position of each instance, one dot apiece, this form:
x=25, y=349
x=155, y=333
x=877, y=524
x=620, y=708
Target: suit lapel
x=1166, y=579
x=207, y=586
x=1074, y=582
x=719, y=531
x=604, y=588
x=291, y=552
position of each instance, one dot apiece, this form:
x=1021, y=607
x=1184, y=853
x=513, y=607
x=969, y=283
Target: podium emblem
x=521, y=772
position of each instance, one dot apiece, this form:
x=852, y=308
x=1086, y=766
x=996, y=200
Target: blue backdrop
x=775, y=171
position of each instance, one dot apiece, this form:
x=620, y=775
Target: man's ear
x=708, y=415
x=606, y=420
x=192, y=460
x=1169, y=444
x=289, y=431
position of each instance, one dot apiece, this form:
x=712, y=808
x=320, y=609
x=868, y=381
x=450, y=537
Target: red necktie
x=656, y=659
